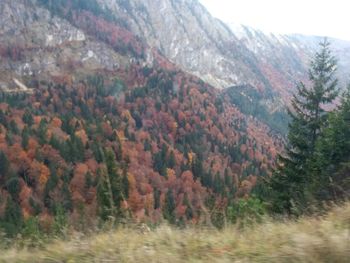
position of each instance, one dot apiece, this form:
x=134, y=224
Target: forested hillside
x=147, y=144
x=109, y=120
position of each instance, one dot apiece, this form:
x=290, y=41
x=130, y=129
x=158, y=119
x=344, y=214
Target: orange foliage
x=82, y=135
x=56, y=122
x=135, y=201
x=77, y=183
x=44, y=174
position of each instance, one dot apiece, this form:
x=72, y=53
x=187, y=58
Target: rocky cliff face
x=189, y=36
x=284, y=59
x=182, y=30
x=33, y=43
x=224, y=55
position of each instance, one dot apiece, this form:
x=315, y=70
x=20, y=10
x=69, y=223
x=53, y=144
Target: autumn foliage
x=176, y=140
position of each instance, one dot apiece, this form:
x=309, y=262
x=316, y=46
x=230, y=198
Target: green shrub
x=246, y=211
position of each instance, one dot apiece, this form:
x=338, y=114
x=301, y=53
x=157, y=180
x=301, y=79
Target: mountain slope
x=285, y=58
x=197, y=42
x=223, y=55
x=103, y=89
x=105, y=106
x=35, y=43
x=227, y=55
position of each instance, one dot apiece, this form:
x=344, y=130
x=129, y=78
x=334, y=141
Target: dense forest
x=146, y=145
x=153, y=144
x=250, y=102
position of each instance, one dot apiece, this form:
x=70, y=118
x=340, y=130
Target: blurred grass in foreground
x=322, y=239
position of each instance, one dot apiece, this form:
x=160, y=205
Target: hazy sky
x=313, y=17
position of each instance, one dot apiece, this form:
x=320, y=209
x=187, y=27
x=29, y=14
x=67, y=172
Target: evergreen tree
x=4, y=165
x=28, y=118
x=55, y=143
x=171, y=160
x=73, y=149
x=147, y=146
x=160, y=160
x=25, y=138
x=3, y=119
x=98, y=152
x=125, y=186
x=9, y=138
x=169, y=207
x=67, y=203
x=13, y=218
x=189, y=211
x=50, y=185
x=13, y=186
x=197, y=169
x=110, y=190
x=105, y=202
x=292, y=181
x=332, y=158
x=156, y=197
x=114, y=177
x=42, y=132
x=13, y=127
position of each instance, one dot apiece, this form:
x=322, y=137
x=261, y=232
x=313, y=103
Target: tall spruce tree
x=4, y=165
x=111, y=189
x=332, y=155
x=12, y=221
x=293, y=180
x=169, y=207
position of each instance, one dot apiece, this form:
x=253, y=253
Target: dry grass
x=324, y=239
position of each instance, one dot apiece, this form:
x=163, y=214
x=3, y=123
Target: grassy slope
x=324, y=239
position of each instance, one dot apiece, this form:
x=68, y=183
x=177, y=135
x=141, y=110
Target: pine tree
x=9, y=138
x=13, y=186
x=67, y=203
x=3, y=119
x=105, y=202
x=147, y=146
x=332, y=158
x=42, y=132
x=13, y=218
x=114, y=177
x=28, y=118
x=189, y=211
x=110, y=189
x=169, y=207
x=156, y=197
x=125, y=186
x=171, y=160
x=25, y=138
x=292, y=181
x=160, y=161
x=13, y=127
x=50, y=185
x=4, y=165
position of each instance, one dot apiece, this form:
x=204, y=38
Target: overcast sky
x=311, y=17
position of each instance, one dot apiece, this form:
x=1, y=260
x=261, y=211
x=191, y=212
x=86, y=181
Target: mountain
x=222, y=55
x=288, y=56
x=95, y=120
x=146, y=109
x=197, y=42
x=225, y=56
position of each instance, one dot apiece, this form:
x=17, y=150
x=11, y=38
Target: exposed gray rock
x=224, y=55
x=48, y=45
